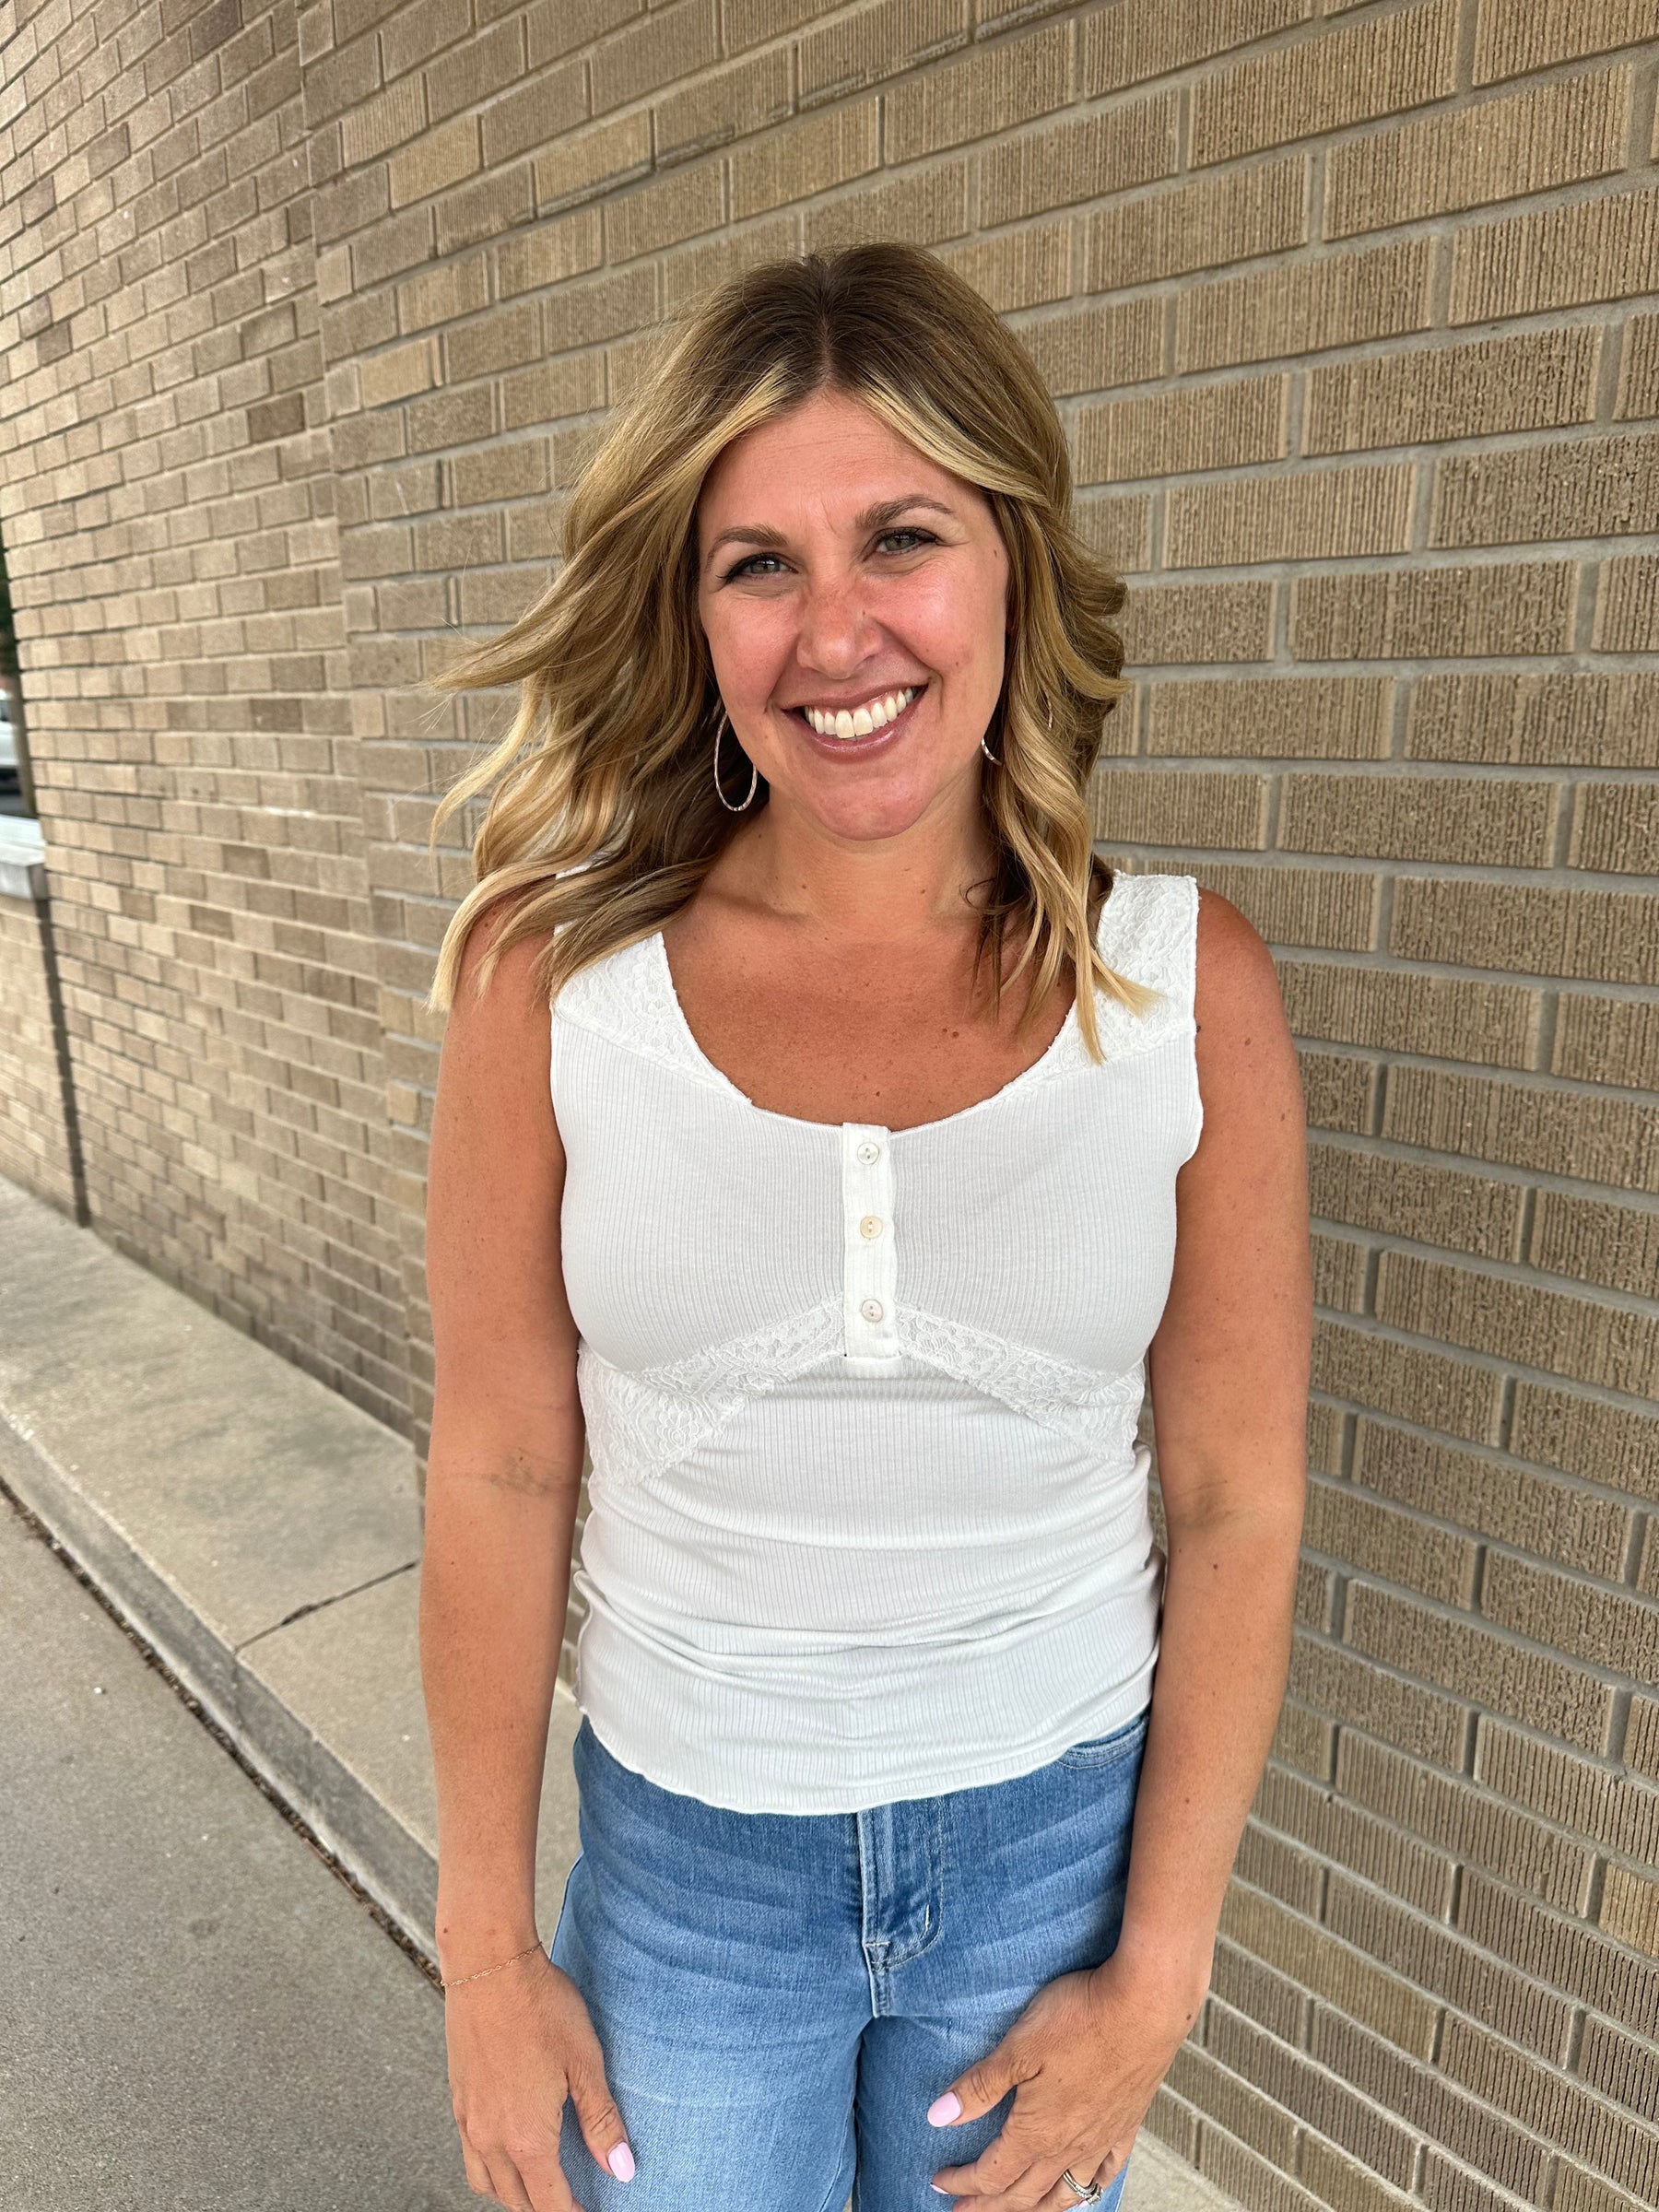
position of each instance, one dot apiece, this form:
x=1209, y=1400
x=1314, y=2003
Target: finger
x=1016, y=2175
x=544, y=2177
x=477, y=2172
x=596, y=2114
x=504, y=2184
x=979, y=2087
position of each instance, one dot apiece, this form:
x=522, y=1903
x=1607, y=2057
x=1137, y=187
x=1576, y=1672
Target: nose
x=835, y=632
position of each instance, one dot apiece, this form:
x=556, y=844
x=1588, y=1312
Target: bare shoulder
x=1243, y=1042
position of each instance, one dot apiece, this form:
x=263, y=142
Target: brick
x=1181, y=807
x=1609, y=1627
x=1306, y=1741
x=389, y=377
x=1238, y=2105
x=1593, y=1801
x=1511, y=37
x=549, y=253
x=1521, y=1320
x=1494, y=1023
x=390, y=119
x=878, y=41
x=1084, y=159
x=1505, y=607
x=1617, y=1445
x=1541, y=380
x=1568, y=1955
x=1494, y=1497
x=749, y=22
x=478, y=70
x=1306, y=306
x=685, y=204
x=1605, y=720
x=1608, y=1040
x=1190, y=623
x=1605, y=936
x=1026, y=269
x=504, y=339
x=1360, y=1694
x=1627, y=607
x=1000, y=86
x=1397, y=1546
x=1568, y=488
x=1149, y=37
x=1338, y=1273
x=1322, y=2098
x=1629, y=1910
x=1596, y=1242
x=1493, y=149
x=603, y=307
x=1339, y=2181
x=1410, y=1198
x=668, y=45
x=1322, y=515
x=586, y=163
x=808, y=157
x=434, y=163
x=1099, y=347
x=1446, y=2187
x=1296, y=906
x=1214, y=223
x=1408, y=1381
x=921, y=209
x=1616, y=827
x=559, y=26
x=1427, y=2101
x=1421, y=818
x=1379, y=67
x=1642, y=1734
x=1255, y=1990
x=689, y=274
x=735, y=102
x=1338, y=1091
x=1273, y=717
x=1589, y=249
x=1315, y=1959
x=1192, y=427
x=1270, y=1863
x=528, y=118
x=1638, y=393
x=1447, y=1810
x=1120, y=531
x=1442, y=1962
x=1551, y=2107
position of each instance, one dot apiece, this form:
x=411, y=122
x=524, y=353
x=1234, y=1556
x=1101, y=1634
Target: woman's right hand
x=520, y=2043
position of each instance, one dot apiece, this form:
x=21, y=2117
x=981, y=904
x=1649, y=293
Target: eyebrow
x=873, y=518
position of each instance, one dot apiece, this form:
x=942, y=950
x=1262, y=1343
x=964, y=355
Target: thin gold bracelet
x=447, y=1987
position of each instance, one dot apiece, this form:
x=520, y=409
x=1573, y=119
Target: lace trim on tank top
x=629, y=998
x=645, y=1420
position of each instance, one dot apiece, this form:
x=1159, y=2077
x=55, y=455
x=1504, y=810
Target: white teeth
x=859, y=722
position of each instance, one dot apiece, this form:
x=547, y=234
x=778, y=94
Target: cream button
x=872, y=1309
x=869, y=1153
x=870, y=1227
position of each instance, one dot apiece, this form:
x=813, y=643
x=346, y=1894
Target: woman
x=887, y=1134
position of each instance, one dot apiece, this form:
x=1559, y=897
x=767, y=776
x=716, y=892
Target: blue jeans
x=780, y=1997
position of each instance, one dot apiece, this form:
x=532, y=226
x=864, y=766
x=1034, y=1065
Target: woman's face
x=844, y=574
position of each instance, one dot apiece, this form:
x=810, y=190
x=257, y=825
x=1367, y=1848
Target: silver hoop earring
x=724, y=724
x=996, y=759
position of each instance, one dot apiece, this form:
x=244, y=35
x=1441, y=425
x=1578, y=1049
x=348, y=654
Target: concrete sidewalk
x=262, y=1536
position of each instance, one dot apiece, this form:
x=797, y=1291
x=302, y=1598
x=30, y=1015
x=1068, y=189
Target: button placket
x=870, y=1262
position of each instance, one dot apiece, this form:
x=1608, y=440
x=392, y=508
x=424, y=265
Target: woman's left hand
x=1084, y=2060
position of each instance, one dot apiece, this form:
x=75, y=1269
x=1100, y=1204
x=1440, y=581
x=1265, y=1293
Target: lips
x=859, y=741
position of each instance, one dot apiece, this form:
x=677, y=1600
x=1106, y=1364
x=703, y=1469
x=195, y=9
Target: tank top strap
x=1148, y=933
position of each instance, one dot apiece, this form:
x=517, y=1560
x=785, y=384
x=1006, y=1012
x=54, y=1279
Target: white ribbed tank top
x=868, y=1518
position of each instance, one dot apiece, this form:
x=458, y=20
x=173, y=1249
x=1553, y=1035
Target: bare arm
x=1228, y=1370
x=505, y=1463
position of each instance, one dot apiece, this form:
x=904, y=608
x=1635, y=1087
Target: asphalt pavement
x=197, y=2014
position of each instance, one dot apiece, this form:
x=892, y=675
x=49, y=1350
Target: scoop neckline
x=794, y=1121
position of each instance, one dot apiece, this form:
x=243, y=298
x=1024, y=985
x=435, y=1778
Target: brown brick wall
x=310, y=322
x=34, y=1135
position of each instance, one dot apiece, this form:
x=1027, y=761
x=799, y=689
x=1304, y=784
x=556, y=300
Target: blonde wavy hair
x=605, y=819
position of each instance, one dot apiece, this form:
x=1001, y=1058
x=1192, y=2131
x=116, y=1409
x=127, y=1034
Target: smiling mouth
x=843, y=723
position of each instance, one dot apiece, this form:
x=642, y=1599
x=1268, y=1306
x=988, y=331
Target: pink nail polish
x=620, y=2162
x=943, y=2109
